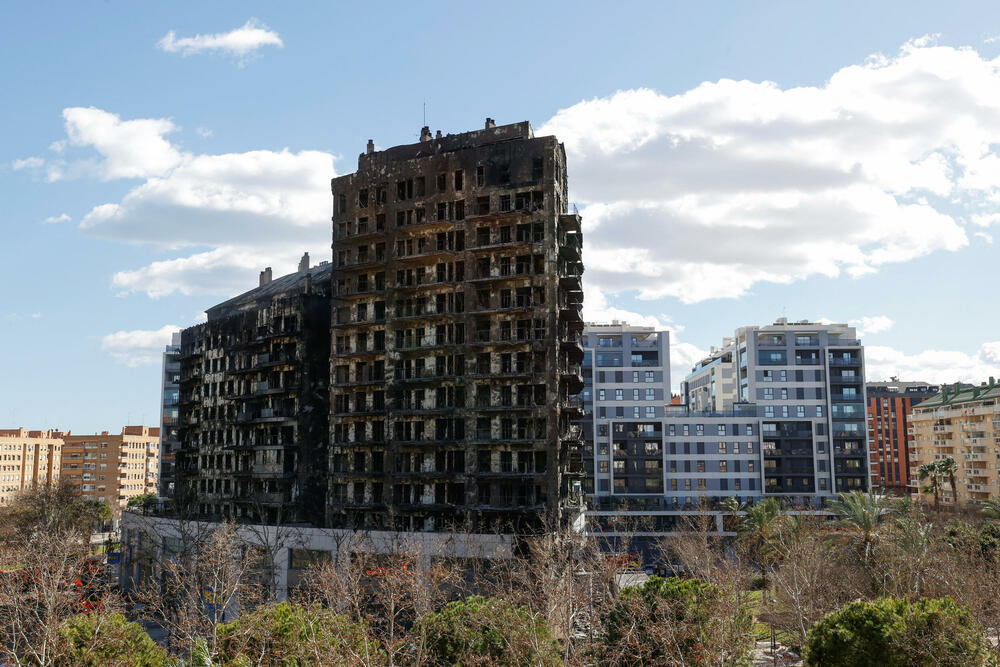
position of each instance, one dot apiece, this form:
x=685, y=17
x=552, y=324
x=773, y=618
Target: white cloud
x=52, y=219
x=988, y=238
x=226, y=271
x=871, y=325
x=240, y=43
x=258, y=198
x=702, y=194
x=203, y=132
x=936, y=366
x=138, y=347
x=253, y=209
x=130, y=149
x=27, y=163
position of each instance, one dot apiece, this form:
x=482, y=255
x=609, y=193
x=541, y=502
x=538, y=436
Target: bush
x=287, y=634
x=895, y=633
x=96, y=640
x=487, y=631
x=677, y=621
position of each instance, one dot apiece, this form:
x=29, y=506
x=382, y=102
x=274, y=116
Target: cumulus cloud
x=130, y=149
x=257, y=197
x=138, y=347
x=53, y=219
x=240, y=43
x=253, y=209
x=871, y=325
x=227, y=270
x=936, y=366
x=702, y=194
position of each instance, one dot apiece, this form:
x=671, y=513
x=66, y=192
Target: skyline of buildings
x=437, y=372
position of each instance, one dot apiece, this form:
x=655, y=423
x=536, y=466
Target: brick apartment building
x=27, y=459
x=112, y=468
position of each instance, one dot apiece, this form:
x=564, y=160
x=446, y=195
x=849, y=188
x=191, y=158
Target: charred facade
x=254, y=402
x=456, y=322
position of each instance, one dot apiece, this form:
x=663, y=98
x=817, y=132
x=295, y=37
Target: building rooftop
x=898, y=387
x=957, y=394
x=437, y=144
x=272, y=288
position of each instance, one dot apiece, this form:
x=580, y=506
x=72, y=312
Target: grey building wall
x=626, y=377
x=169, y=417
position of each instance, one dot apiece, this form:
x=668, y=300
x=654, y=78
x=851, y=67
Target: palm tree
x=862, y=512
x=930, y=471
x=757, y=528
x=947, y=467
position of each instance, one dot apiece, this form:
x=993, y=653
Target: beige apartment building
x=27, y=458
x=962, y=422
x=113, y=468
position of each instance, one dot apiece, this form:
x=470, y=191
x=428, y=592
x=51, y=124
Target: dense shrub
x=97, y=640
x=288, y=634
x=896, y=633
x=486, y=631
x=677, y=621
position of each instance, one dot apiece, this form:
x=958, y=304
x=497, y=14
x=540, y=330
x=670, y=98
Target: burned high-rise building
x=456, y=321
x=253, y=426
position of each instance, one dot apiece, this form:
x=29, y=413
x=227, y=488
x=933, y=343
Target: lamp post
x=774, y=652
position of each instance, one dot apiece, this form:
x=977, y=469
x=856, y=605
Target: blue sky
x=856, y=186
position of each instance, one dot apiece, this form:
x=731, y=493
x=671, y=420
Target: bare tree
x=209, y=575
x=48, y=574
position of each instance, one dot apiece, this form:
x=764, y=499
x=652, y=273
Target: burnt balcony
x=369, y=377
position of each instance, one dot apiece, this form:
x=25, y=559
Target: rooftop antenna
x=425, y=112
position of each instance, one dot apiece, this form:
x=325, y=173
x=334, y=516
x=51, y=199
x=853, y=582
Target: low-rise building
x=27, y=459
x=961, y=422
x=112, y=468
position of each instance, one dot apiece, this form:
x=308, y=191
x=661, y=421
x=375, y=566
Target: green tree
x=930, y=473
x=862, y=513
x=289, y=634
x=676, y=621
x=894, y=632
x=991, y=508
x=97, y=640
x=141, y=499
x=487, y=631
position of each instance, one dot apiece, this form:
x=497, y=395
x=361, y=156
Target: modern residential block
x=28, y=459
x=170, y=414
x=456, y=335
x=961, y=422
x=710, y=386
x=254, y=403
x=889, y=407
x=626, y=375
x=112, y=468
x=809, y=381
x=777, y=411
